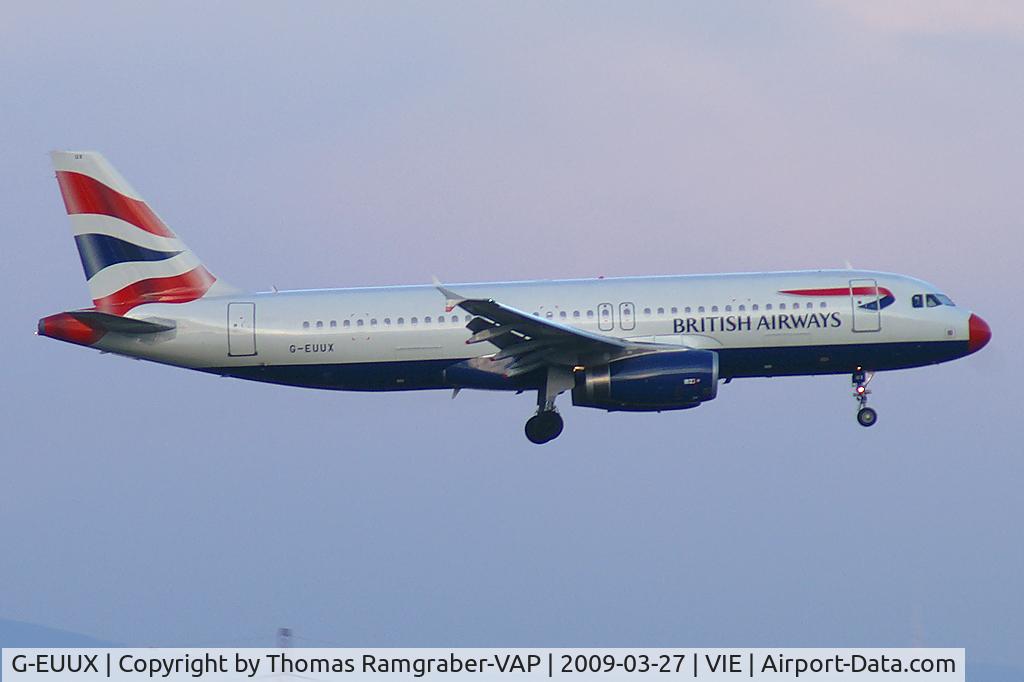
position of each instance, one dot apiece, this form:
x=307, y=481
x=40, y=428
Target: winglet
x=452, y=299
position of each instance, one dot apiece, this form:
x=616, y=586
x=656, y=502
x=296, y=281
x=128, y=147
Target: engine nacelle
x=664, y=380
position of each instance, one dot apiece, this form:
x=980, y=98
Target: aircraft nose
x=978, y=335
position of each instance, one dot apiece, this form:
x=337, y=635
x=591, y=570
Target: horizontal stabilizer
x=122, y=325
x=86, y=327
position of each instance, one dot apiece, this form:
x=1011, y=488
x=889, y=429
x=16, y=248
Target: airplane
x=618, y=344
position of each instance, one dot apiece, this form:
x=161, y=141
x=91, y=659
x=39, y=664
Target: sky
x=347, y=144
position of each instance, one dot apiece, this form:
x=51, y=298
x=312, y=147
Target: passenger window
x=359, y=323
x=334, y=323
x=782, y=306
x=468, y=318
x=647, y=311
x=768, y=306
x=728, y=308
x=576, y=314
x=549, y=314
x=440, y=319
x=426, y=320
x=917, y=301
x=661, y=311
x=675, y=310
x=754, y=307
x=562, y=314
x=346, y=323
x=742, y=308
x=400, y=320
x=305, y=325
x=320, y=323
x=387, y=321
x=590, y=313
x=373, y=322
x=413, y=320
x=688, y=309
x=823, y=304
x=714, y=308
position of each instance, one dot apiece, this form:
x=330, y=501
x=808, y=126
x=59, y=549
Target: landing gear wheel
x=861, y=378
x=866, y=416
x=544, y=427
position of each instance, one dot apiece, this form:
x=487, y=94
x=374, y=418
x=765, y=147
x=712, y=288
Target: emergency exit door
x=241, y=329
x=605, y=317
x=627, y=316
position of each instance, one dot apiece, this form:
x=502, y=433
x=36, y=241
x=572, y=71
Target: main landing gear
x=544, y=426
x=865, y=415
x=547, y=424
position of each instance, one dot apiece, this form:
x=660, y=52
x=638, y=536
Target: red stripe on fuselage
x=83, y=194
x=175, y=289
x=838, y=291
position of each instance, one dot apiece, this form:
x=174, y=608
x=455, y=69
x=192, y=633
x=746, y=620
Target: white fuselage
x=403, y=337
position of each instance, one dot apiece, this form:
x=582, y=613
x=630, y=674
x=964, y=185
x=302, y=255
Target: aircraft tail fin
x=130, y=256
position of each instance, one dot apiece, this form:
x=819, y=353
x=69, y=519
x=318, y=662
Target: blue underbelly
x=411, y=375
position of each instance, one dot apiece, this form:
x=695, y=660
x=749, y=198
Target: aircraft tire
x=866, y=416
x=544, y=427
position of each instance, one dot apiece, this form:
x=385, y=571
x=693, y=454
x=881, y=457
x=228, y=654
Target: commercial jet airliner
x=632, y=343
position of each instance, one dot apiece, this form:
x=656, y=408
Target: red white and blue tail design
x=129, y=255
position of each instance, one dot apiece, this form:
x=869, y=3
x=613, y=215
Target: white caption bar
x=342, y=665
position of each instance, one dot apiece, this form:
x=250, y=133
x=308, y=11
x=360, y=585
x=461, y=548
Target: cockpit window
x=930, y=300
x=934, y=300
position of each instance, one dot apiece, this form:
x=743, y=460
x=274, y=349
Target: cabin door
x=241, y=329
x=867, y=313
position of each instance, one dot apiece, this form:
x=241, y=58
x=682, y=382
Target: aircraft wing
x=527, y=342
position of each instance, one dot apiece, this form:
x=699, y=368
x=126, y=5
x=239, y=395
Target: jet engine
x=663, y=380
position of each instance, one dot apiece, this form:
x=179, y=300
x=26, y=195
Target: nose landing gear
x=865, y=415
